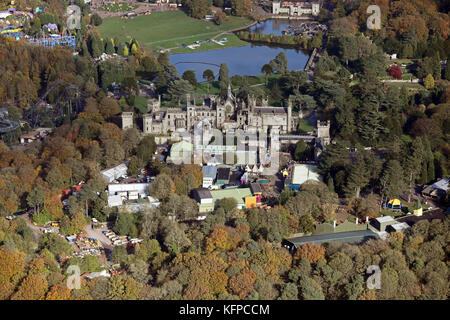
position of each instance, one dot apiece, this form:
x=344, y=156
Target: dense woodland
x=233, y=254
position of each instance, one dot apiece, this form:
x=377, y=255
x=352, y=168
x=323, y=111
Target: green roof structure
x=237, y=193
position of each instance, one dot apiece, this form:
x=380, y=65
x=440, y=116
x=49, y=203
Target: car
x=10, y=217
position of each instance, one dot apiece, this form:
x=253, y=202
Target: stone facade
x=127, y=120
x=224, y=114
x=295, y=8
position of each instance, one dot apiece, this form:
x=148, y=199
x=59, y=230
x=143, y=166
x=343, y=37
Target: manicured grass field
x=162, y=30
x=232, y=41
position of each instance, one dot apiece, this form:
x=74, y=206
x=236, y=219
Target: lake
x=275, y=26
x=246, y=60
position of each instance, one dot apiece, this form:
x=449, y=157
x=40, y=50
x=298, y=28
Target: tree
x=395, y=72
x=224, y=79
x=317, y=40
x=96, y=47
x=429, y=81
x=125, y=225
x=358, y=178
x=161, y=187
x=289, y=291
x=228, y=204
x=295, y=79
x=219, y=17
x=242, y=283
x=178, y=89
x=146, y=148
x=126, y=51
x=241, y=8
x=134, y=166
x=208, y=75
x=96, y=20
x=109, y=48
x=12, y=264
x=35, y=198
x=280, y=63
x=392, y=180
x=310, y=252
x=189, y=75
x=33, y=287
x=310, y=289
x=108, y=107
x=197, y=8
x=163, y=58
x=301, y=151
x=267, y=70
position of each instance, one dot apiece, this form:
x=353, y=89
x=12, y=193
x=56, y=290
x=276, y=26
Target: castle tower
x=153, y=105
x=127, y=120
x=220, y=116
x=276, y=7
x=229, y=93
x=147, y=123
x=315, y=8
x=289, y=115
x=188, y=99
x=251, y=103
x=190, y=116
x=323, y=129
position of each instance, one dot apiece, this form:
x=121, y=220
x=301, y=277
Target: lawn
x=163, y=30
x=305, y=126
x=232, y=41
x=140, y=103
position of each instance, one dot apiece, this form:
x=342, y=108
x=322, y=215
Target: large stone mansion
x=295, y=8
x=225, y=114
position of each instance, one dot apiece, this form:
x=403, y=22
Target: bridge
x=297, y=137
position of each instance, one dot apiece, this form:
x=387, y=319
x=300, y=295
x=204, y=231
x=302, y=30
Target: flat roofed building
x=114, y=173
x=237, y=193
x=354, y=237
x=398, y=227
x=204, y=198
x=140, y=188
x=382, y=222
x=299, y=174
x=114, y=201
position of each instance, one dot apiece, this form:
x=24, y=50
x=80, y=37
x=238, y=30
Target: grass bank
x=163, y=30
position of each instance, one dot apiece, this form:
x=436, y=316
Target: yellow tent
x=395, y=202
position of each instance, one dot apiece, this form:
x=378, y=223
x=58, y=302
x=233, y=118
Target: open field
x=163, y=30
x=232, y=41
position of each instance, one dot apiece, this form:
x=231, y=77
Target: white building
x=139, y=188
x=114, y=173
x=299, y=174
x=115, y=201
